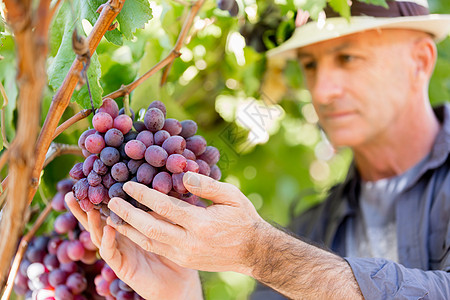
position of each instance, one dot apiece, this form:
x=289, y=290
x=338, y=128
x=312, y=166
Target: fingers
x=171, y=208
x=108, y=249
x=140, y=239
x=146, y=224
x=76, y=209
x=95, y=226
x=208, y=188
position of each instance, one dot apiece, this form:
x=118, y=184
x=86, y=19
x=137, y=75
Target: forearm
x=297, y=269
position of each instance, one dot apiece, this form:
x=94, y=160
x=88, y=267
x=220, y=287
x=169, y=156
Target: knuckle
x=165, y=210
x=146, y=244
x=151, y=232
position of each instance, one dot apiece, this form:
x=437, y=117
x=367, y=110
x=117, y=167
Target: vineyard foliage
x=256, y=112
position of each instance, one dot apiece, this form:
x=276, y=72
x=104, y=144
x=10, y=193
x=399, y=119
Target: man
x=388, y=223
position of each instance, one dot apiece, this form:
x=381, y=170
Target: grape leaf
x=134, y=15
x=376, y=2
x=341, y=7
x=314, y=7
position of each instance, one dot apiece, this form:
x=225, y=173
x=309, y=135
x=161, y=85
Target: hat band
x=396, y=9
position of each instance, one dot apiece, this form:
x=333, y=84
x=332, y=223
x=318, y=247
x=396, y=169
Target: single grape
x=145, y=174
x=77, y=171
x=160, y=136
x=125, y=295
x=234, y=10
x=123, y=155
x=90, y=257
x=83, y=136
x=64, y=223
x=225, y=4
x=215, y=172
x=97, y=193
x=145, y=137
x=35, y=254
x=85, y=152
x=102, y=122
x=116, y=190
x=177, y=182
x=80, y=189
x=172, y=126
x=176, y=163
x=135, y=149
x=158, y=104
x=109, y=106
x=70, y=267
x=94, y=179
x=204, y=168
x=77, y=283
x=115, y=218
x=61, y=253
x=139, y=126
x=57, y=277
x=188, y=128
x=64, y=186
x=191, y=166
x=114, y=287
x=99, y=167
x=120, y=172
x=131, y=135
x=110, y=156
x=53, y=244
x=125, y=287
x=85, y=239
x=114, y=137
x=108, y=181
x=189, y=154
x=75, y=250
x=88, y=164
x=162, y=182
x=133, y=165
x=108, y=274
x=196, y=144
x=175, y=145
x=211, y=155
x=62, y=292
x=123, y=123
x=58, y=203
x=51, y=262
x=156, y=156
x=154, y=119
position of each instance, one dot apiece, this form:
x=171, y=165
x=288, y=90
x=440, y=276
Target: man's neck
x=399, y=149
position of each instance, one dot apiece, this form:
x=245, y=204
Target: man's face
x=360, y=84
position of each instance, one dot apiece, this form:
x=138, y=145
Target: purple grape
x=99, y=167
x=114, y=287
x=125, y=295
x=85, y=152
x=125, y=287
x=177, y=182
x=156, y=156
x=110, y=156
x=69, y=268
x=211, y=155
x=191, y=166
x=234, y=10
x=196, y=144
x=123, y=123
x=139, y=126
x=204, y=168
x=225, y=4
x=120, y=172
x=51, y=262
x=86, y=205
x=88, y=164
x=115, y=218
x=85, y=239
x=145, y=174
x=57, y=277
x=35, y=254
x=80, y=189
x=64, y=186
x=58, y=203
x=158, y=104
x=77, y=171
x=189, y=128
x=108, y=181
x=133, y=165
x=108, y=274
x=97, y=193
x=173, y=126
x=61, y=253
x=154, y=119
x=83, y=136
x=162, y=182
x=94, y=179
x=110, y=107
x=176, y=163
x=189, y=154
x=122, y=152
x=132, y=135
x=64, y=223
x=122, y=112
x=53, y=244
x=75, y=250
x=102, y=122
x=215, y=172
x=77, y=283
x=160, y=136
x=145, y=137
x=116, y=190
x=102, y=287
x=62, y=292
x=114, y=137
x=135, y=149
x=175, y=145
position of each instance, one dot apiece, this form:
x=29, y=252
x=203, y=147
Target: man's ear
x=424, y=55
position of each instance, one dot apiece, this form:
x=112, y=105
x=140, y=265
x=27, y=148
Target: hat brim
x=314, y=32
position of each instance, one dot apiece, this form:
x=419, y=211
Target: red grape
x=189, y=128
x=176, y=163
x=110, y=107
x=123, y=123
x=135, y=149
x=102, y=122
x=162, y=182
x=175, y=144
x=156, y=156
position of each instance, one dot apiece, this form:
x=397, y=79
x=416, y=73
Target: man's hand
x=150, y=275
x=216, y=238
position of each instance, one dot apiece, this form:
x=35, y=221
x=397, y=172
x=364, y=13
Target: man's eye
x=344, y=58
x=310, y=65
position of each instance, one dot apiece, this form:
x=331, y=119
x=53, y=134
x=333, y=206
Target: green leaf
x=341, y=7
x=134, y=15
x=115, y=37
x=376, y=2
x=314, y=7
x=94, y=74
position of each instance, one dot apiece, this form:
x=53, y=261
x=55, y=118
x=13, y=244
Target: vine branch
x=75, y=118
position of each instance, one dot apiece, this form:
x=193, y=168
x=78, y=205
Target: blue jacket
x=423, y=231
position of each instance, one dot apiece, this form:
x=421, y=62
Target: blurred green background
x=256, y=112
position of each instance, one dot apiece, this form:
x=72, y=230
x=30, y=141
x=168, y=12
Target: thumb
x=208, y=188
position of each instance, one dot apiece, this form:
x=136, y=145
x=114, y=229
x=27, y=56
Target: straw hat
x=411, y=14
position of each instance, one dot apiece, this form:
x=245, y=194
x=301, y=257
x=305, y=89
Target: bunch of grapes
x=108, y=285
x=61, y=265
x=157, y=153
x=230, y=5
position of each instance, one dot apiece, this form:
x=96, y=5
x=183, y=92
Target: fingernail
x=192, y=179
x=112, y=203
x=128, y=186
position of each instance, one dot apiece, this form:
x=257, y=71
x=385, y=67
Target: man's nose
x=328, y=85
